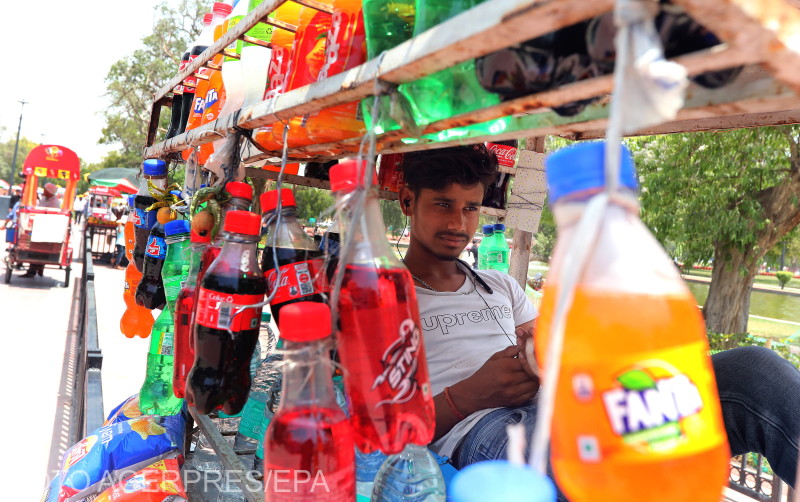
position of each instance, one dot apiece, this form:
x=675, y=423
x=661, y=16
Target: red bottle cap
x=221, y=8
x=242, y=222
x=207, y=19
x=196, y=238
x=305, y=321
x=269, y=200
x=345, y=176
x=239, y=189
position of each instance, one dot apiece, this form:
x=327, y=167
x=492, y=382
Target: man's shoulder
x=498, y=280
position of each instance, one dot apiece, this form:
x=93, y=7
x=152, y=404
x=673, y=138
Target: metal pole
x=16, y=147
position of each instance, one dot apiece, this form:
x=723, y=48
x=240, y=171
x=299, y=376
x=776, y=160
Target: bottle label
x=156, y=247
x=399, y=361
x=658, y=403
x=166, y=344
x=278, y=71
x=174, y=284
x=221, y=310
x=506, y=155
x=495, y=257
x=309, y=51
x=191, y=81
x=297, y=280
x=143, y=219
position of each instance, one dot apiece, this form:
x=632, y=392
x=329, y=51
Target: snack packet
x=126, y=410
x=158, y=482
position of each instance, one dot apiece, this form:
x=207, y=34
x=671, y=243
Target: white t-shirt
x=462, y=329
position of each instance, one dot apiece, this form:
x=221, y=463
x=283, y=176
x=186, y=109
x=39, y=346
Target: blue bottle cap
x=500, y=480
x=175, y=227
x=488, y=229
x=499, y=227
x=580, y=167
x=154, y=167
x=131, y=198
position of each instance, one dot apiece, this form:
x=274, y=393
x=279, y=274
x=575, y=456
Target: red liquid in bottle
x=184, y=350
x=303, y=275
x=308, y=455
x=380, y=344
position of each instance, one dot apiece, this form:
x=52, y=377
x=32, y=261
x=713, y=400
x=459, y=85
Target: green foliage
x=545, y=238
x=783, y=277
x=7, y=156
x=718, y=342
x=312, y=202
x=392, y=216
x=132, y=81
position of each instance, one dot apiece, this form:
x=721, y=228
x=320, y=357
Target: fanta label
x=211, y=97
x=297, y=280
x=223, y=311
x=143, y=219
x=156, y=247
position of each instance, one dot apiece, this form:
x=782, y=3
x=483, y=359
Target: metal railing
x=755, y=482
x=88, y=394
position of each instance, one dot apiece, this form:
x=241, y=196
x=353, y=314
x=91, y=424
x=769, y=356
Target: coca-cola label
x=143, y=219
x=224, y=311
x=191, y=80
x=156, y=247
x=303, y=278
x=506, y=155
x=399, y=363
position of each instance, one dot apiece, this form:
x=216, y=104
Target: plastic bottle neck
x=568, y=210
x=289, y=233
x=307, y=375
x=237, y=204
x=174, y=239
x=369, y=233
x=195, y=262
x=157, y=181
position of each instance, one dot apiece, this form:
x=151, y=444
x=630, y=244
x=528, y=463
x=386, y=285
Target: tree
x=392, y=216
x=312, y=202
x=7, y=156
x=783, y=278
x=727, y=197
x=132, y=81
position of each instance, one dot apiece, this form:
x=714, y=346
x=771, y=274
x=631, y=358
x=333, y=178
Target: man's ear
x=406, y=200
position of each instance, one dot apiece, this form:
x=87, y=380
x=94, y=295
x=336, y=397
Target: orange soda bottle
x=637, y=415
x=307, y=59
x=345, y=49
x=136, y=321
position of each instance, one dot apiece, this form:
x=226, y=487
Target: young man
x=476, y=324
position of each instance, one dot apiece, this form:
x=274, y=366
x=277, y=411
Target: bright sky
x=57, y=55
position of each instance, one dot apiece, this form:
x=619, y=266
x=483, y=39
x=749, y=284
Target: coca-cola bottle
x=292, y=261
x=379, y=340
x=225, y=333
x=506, y=153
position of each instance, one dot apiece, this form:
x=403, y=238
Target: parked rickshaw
x=42, y=233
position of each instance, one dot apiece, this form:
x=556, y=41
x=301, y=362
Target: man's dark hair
x=437, y=169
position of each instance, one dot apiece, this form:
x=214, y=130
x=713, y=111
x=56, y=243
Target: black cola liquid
x=143, y=221
x=220, y=377
x=150, y=292
x=287, y=256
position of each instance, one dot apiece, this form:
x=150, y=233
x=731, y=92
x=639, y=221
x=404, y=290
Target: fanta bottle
x=308, y=58
x=637, y=416
x=201, y=43
x=345, y=49
x=137, y=320
x=279, y=68
x=379, y=340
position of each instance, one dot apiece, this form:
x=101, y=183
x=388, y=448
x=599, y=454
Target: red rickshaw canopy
x=52, y=161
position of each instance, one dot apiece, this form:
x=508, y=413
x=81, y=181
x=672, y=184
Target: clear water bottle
x=367, y=467
x=412, y=475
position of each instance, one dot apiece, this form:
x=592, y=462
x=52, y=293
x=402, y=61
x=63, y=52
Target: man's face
x=444, y=221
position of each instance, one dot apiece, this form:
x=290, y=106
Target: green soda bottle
x=387, y=24
x=497, y=256
x=156, y=395
x=485, y=246
x=452, y=91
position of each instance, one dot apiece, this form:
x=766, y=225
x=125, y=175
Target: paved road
x=36, y=369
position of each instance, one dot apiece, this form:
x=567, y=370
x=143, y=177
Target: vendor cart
x=101, y=225
x=42, y=234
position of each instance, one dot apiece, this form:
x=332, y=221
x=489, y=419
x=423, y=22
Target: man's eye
x=471, y=208
x=443, y=204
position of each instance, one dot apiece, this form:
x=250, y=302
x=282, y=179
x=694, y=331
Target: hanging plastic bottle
x=154, y=171
x=255, y=60
x=225, y=332
x=412, y=475
x=379, y=327
x=175, y=270
x=387, y=24
x=177, y=100
x=497, y=254
x=345, y=48
x=150, y=292
x=308, y=58
x=637, y=395
x=292, y=262
x=309, y=439
x=367, y=467
x=201, y=43
x=136, y=320
x=156, y=396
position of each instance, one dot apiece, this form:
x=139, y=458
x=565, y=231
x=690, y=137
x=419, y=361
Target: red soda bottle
x=309, y=440
x=292, y=262
x=225, y=334
x=184, y=320
x=380, y=342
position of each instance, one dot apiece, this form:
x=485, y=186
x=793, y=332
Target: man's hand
x=501, y=381
x=526, y=352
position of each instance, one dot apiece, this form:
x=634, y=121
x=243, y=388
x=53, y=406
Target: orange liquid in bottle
x=136, y=320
